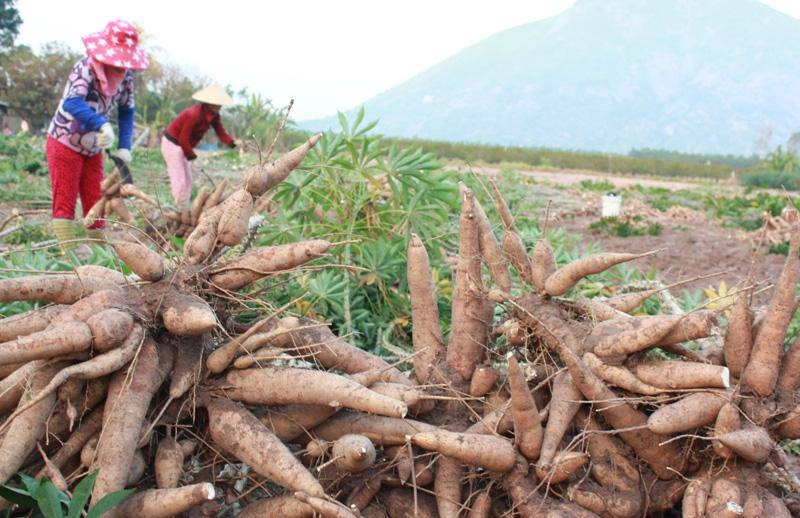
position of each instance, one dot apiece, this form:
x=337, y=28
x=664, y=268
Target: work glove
x=105, y=136
x=123, y=154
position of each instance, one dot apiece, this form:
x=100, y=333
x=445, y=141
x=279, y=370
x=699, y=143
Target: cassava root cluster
x=558, y=408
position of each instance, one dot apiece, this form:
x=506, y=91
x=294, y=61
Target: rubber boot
x=66, y=232
x=96, y=233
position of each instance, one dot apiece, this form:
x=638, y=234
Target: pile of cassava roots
x=535, y=404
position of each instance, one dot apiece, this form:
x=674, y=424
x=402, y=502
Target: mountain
x=699, y=76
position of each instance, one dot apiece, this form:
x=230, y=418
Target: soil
x=689, y=251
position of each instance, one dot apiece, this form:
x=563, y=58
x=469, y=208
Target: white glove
x=105, y=136
x=123, y=154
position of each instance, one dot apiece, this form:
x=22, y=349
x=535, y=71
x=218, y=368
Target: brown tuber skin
x=93, y=368
x=236, y=212
x=187, y=315
x=486, y=451
x=59, y=289
x=312, y=340
x=285, y=385
x=752, y=444
x=739, y=335
x=447, y=486
x=265, y=261
x=353, y=453
x=691, y=412
x=789, y=427
x=482, y=505
x=543, y=263
x=563, y=406
x=163, y=503
x=168, y=463
x=109, y=328
x=468, y=329
x=562, y=467
x=13, y=386
x=323, y=506
x=567, y=276
x=289, y=422
x=66, y=339
x=483, y=380
x=665, y=459
x=619, y=376
x=88, y=428
x=728, y=420
x=32, y=321
x=789, y=378
x=200, y=243
x=683, y=375
x=763, y=368
x=284, y=506
x=425, y=333
x=528, y=431
x=125, y=410
x=491, y=253
x=235, y=430
x=27, y=428
x=144, y=262
x=261, y=178
x=400, y=504
x=634, y=335
x=379, y=429
x=603, y=440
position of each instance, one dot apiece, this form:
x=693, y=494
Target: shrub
x=627, y=227
x=770, y=179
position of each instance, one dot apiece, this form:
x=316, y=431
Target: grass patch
x=768, y=179
x=627, y=227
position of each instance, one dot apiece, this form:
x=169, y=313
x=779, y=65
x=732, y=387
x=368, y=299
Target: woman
x=185, y=132
x=80, y=129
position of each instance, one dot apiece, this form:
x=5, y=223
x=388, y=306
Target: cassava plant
x=355, y=188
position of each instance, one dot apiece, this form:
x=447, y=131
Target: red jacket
x=188, y=128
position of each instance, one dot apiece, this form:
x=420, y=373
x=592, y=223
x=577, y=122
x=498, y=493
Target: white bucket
x=611, y=203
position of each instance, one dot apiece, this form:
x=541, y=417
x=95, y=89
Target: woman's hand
x=123, y=154
x=105, y=136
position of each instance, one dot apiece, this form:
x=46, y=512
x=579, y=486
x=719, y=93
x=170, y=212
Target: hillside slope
x=707, y=76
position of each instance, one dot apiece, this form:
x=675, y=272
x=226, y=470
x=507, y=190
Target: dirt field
x=571, y=177
x=691, y=248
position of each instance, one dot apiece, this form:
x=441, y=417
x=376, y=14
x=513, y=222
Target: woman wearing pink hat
x=80, y=129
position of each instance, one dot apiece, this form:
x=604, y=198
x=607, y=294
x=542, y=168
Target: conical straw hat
x=213, y=94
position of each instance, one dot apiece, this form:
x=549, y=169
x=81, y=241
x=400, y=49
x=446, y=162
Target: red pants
x=71, y=174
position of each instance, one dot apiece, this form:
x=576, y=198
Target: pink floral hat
x=117, y=45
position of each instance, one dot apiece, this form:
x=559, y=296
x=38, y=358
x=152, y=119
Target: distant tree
x=783, y=161
x=9, y=24
x=32, y=83
x=255, y=120
x=162, y=91
x=793, y=144
x=762, y=144
x=735, y=161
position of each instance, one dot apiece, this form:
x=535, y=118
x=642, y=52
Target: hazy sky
x=327, y=55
